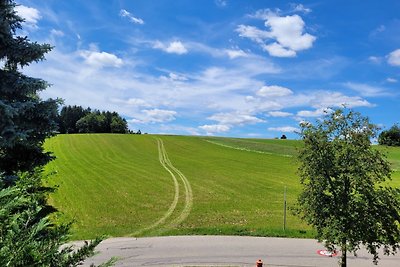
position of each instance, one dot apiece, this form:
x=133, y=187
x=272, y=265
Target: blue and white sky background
x=244, y=68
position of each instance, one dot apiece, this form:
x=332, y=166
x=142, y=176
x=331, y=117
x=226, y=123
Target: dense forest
x=76, y=119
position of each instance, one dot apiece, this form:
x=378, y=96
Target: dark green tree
x=69, y=116
x=94, y=122
x=25, y=119
x=118, y=125
x=345, y=196
x=27, y=235
x=390, y=137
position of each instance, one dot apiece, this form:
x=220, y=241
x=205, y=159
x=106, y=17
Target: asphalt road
x=224, y=251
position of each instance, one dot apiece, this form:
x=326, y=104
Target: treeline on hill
x=390, y=137
x=76, y=119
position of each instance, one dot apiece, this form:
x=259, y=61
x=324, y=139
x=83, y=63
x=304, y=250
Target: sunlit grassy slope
x=120, y=185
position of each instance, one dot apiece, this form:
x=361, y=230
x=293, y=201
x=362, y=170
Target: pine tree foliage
x=25, y=119
x=345, y=196
x=27, y=236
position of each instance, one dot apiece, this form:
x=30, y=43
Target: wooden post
x=284, y=210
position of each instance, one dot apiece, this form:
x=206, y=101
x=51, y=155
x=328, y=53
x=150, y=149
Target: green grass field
x=144, y=185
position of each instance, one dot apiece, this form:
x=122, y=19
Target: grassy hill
x=143, y=185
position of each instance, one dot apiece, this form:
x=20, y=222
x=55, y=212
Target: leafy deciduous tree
x=390, y=137
x=345, y=197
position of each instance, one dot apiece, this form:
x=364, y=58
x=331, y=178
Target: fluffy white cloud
x=287, y=34
x=394, y=58
x=125, y=13
x=155, y=116
x=276, y=50
x=100, y=59
x=215, y=128
x=279, y=114
x=391, y=80
x=274, y=91
x=285, y=129
x=234, y=118
x=30, y=14
x=324, y=99
x=175, y=47
x=253, y=33
x=366, y=90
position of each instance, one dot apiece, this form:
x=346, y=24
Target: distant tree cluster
x=390, y=137
x=76, y=119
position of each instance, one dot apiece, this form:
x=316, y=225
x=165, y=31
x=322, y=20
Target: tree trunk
x=343, y=259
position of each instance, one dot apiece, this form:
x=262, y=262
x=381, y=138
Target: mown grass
x=115, y=184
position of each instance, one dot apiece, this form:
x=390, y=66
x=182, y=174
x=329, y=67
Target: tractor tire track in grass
x=174, y=172
x=188, y=190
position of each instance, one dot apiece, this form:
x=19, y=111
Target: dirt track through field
x=174, y=172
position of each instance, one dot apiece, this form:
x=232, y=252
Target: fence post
x=284, y=210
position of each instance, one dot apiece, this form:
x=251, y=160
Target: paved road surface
x=224, y=251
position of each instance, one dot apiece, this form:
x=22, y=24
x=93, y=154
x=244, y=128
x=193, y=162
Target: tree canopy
x=345, y=197
x=76, y=119
x=390, y=137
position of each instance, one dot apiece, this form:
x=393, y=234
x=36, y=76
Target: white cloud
x=215, y=128
x=155, y=116
x=100, y=59
x=391, y=80
x=174, y=77
x=29, y=14
x=274, y=91
x=279, y=114
x=175, y=47
x=394, y=58
x=235, y=53
x=277, y=50
x=300, y=8
x=287, y=34
x=55, y=32
x=125, y=13
x=324, y=99
x=253, y=33
x=263, y=14
x=375, y=60
x=285, y=129
x=313, y=113
x=235, y=118
x=366, y=90
x=135, y=102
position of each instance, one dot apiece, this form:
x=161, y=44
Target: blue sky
x=220, y=67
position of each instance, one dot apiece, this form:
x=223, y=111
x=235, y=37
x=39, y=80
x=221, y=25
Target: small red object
x=259, y=263
x=327, y=253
